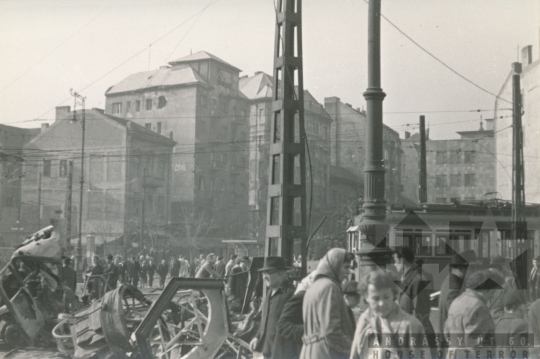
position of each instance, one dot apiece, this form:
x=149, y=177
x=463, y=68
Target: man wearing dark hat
x=111, y=273
x=238, y=279
x=469, y=325
x=280, y=290
x=452, y=286
x=414, y=297
x=512, y=326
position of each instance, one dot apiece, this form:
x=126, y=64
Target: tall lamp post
x=75, y=119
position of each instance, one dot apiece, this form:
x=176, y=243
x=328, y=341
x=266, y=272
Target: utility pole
x=83, y=123
x=68, y=202
x=142, y=211
x=39, y=202
x=373, y=228
x=519, y=231
x=286, y=207
x=423, y=165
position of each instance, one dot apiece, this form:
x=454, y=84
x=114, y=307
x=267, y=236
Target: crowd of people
x=482, y=311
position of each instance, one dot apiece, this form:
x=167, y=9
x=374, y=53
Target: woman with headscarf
x=328, y=328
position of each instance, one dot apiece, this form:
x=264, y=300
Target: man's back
x=205, y=271
x=220, y=268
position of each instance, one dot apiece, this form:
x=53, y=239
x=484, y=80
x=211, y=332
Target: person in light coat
x=469, y=326
x=385, y=320
x=328, y=328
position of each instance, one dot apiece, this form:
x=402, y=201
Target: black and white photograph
x=270, y=179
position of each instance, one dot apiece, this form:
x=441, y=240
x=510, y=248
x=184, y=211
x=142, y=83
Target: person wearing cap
x=111, y=273
x=511, y=326
x=385, y=319
x=206, y=270
x=353, y=299
x=280, y=290
x=500, y=265
x=328, y=327
x=452, y=286
x=469, y=325
x=238, y=280
x=290, y=326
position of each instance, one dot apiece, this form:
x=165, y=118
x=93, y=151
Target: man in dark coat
x=162, y=270
x=220, y=267
x=511, y=324
x=280, y=290
x=151, y=270
x=453, y=286
x=68, y=278
x=534, y=280
x=135, y=270
x=111, y=273
x=238, y=279
x=175, y=267
x=94, y=283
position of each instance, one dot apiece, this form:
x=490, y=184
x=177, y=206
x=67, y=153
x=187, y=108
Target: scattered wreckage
x=189, y=318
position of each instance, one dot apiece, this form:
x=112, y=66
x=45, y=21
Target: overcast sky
x=50, y=46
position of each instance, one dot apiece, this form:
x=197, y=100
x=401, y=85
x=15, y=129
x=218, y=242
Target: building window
x=440, y=181
x=46, y=168
x=63, y=168
x=440, y=157
x=454, y=157
x=455, y=180
x=470, y=157
x=162, y=102
x=117, y=107
x=148, y=126
x=200, y=184
x=138, y=105
x=469, y=180
x=114, y=166
x=128, y=106
x=148, y=104
x=158, y=130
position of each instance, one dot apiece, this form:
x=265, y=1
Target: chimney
x=258, y=73
x=243, y=77
x=489, y=124
x=526, y=55
x=44, y=127
x=407, y=134
x=348, y=104
x=62, y=112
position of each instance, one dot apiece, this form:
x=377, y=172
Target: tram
x=436, y=231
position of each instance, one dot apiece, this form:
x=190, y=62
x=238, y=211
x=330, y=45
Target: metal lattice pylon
x=286, y=215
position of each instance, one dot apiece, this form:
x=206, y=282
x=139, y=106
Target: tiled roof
x=261, y=86
x=201, y=55
x=257, y=87
x=158, y=78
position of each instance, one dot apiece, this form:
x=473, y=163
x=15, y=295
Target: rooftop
x=201, y=56
x=163, y=77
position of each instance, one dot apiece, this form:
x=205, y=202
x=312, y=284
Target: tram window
x=422, y=244
x=441, y=245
